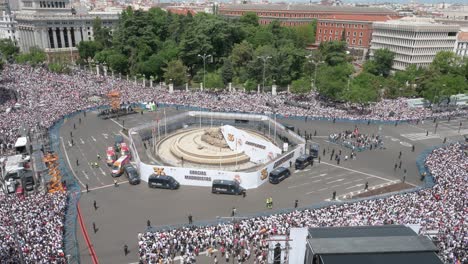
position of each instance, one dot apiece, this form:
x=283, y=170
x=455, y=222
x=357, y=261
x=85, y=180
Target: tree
x=306, y=33
x=363, y=89
x=332, y=80
x=333, y=52
x=441, y=87
x=381, y=64
x=34, y=57
x=301, y=86
x=446, y=62
x=249, y=18
x=118, y=62
x=101, y=34
x=8, y=48
x=176, y=71
x=227, y=72
x=88, y=49
x=214, y=80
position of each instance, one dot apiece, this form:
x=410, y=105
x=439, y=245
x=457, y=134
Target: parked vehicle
x=110, y=156
x=125, y=150
x=132, y=174
x=278, y=175
x=163, y=182
x=303, y=161
x=227, y=187
x=117, y=168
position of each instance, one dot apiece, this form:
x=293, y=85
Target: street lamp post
x=204, y=57
x=316, y=64
x=264, y=59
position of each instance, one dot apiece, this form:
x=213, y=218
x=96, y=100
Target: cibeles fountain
x=198, y=147
x=219, y=147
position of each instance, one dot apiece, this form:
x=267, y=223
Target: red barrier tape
x=86, y=237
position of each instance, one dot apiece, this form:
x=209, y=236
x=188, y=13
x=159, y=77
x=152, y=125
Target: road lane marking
x=102, y=171
x=302, y=184
x=106, y=136
x=69, y=164
x=104, y=186
x=93, y=138
x=356, y=171
x=82, y=141
x=335, y=181
x=120, y=125
x=85, y=174
x=354, y=186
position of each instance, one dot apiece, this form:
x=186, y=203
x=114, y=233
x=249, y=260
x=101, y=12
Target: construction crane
x=55, y=183
x=114, y=98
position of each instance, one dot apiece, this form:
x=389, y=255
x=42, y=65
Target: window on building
x=320, y=30
x=360, y=34
x=326, y=24
x=355, y=26
x=354, y=33
x=330, y=38
x=325, y=31
x=360, y=42
x=347, y=33
x=342, y=25
x=331, y=31
x=354, y=41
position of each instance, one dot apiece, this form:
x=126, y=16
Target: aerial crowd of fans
x=34, y=225
x=40, y=98
x=356, y=141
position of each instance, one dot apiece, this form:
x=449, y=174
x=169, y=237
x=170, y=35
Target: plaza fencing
x=71, y=248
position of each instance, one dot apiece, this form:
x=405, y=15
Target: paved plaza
x=124, y=210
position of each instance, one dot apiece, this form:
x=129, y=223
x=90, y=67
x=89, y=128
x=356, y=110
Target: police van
x=227, y=187
x=163, y=182
x=303, y=161
x=278, y=175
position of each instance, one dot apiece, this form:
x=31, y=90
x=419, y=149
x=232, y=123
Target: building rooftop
x=388, y=258
x=307, y=7
x=350, y=17
x=388, y=243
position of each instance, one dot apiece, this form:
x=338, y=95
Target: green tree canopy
x=301, y=86
x=381, y=64
x=176, y=71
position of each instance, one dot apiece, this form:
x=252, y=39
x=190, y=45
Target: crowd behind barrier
x=440, y=208
x=42, y=99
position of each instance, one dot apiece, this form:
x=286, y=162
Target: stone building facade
x=54, y=26
x=413, y=40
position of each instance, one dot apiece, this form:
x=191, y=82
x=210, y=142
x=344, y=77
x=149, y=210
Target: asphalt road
x=123, y=211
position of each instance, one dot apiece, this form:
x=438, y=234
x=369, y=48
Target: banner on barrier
x=259, y=150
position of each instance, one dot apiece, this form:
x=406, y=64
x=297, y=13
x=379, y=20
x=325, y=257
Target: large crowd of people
x=356, y=141
x=441, y=209
x=31, y=228
x=41, y=98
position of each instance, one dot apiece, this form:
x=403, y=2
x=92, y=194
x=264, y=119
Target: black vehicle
x=132, y=174
x=163, y=182
x=279, y=174
x=227, y=187
x=28, y=181
x=303, y=161
x=314, y=150
x=466, y=137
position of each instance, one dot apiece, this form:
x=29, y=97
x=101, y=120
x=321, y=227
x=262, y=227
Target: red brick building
x=356, y=30
x=299, y=14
